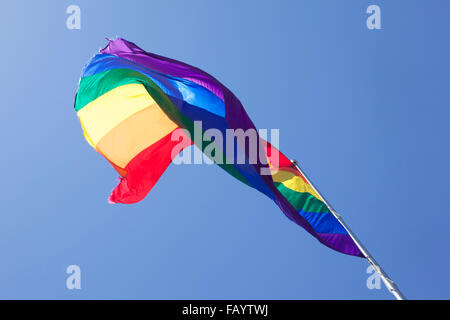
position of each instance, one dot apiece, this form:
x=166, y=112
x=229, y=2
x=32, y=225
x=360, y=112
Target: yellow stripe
x=104, y=113
x=86, y=136
x=136, y=133
x=294, y=182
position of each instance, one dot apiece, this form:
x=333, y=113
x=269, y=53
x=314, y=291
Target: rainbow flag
x=131, y=104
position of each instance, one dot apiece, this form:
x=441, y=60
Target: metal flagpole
x=390, y=285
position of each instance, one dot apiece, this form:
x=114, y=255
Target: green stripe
x=302, y=200
x=94, y=86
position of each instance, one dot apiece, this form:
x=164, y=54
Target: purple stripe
x=340, y=242
x=128, y=50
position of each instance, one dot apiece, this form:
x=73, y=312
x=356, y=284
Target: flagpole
x=390, y=285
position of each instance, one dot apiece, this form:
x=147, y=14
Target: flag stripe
x=173, y=87
x=341, y=242
x=313, y=210
x=119, y=104
x=144, y=171
x=302, y=200
x=172, y=67
x=134, y=134
x=294, y=182
x=92, y=87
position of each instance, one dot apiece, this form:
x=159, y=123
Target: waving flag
x=139, y=110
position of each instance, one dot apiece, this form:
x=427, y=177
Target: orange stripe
x=134, y=134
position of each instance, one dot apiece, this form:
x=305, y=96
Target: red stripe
x=145, y=169
x=283, y=162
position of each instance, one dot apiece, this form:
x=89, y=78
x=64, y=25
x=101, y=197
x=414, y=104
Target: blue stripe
x=323, y=222
x=183, y=89
x=211, y=121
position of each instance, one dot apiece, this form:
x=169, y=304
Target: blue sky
x=368, y=122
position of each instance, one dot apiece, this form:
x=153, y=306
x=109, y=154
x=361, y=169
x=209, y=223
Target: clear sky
x=366, y=113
